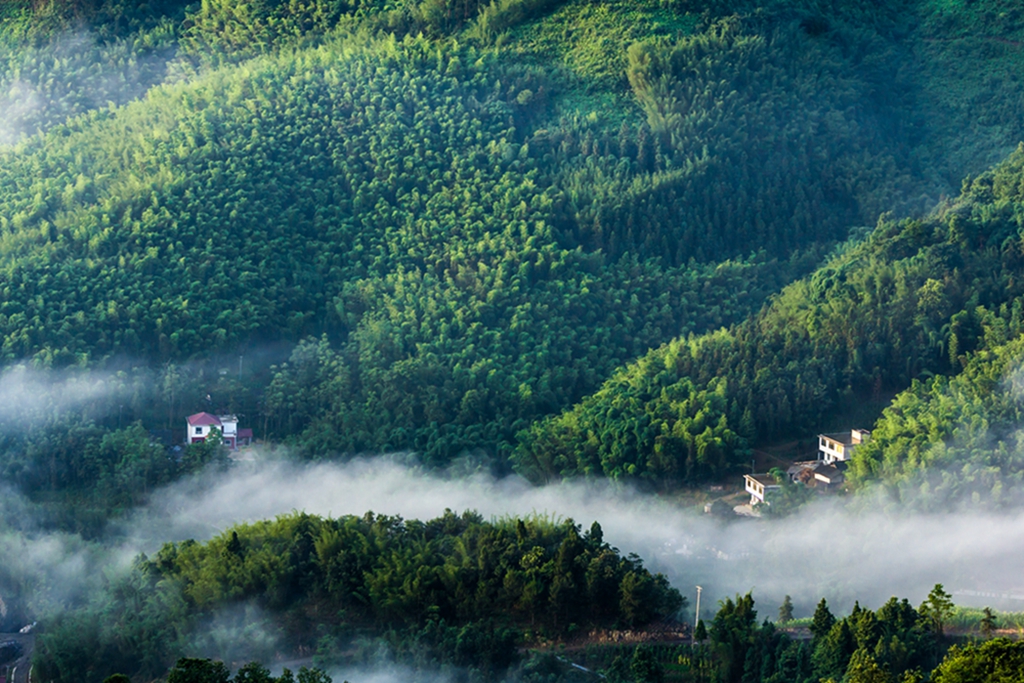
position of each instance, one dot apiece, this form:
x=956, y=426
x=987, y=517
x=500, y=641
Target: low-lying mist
x=829, y=549
x=43, y=572
x=826, y=550
x=27, y=394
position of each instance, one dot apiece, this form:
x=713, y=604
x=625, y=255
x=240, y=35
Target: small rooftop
x=204, y=420
x=829, y=474
x=765, y=480
x=801, y=465
x=849, y=438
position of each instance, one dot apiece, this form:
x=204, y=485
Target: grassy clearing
x=969, y=619
x=591, y=39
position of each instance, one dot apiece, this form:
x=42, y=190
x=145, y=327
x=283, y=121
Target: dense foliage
x=193, y=670
x=955, y=438
x=371, y=243
x=994, y=661
x=908, y=300
x=948, y=440
x=61, y=59
x=291, y=581
x=893, y=644
x=542, y=230
x=890, y=644
x=472, y=214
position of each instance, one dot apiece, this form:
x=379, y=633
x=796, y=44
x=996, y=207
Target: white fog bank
x=825, y=551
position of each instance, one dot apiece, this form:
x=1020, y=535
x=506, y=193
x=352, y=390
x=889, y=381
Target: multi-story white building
x=758, y=485
x=839, y=447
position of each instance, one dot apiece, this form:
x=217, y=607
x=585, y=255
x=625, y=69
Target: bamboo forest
x=456, y=341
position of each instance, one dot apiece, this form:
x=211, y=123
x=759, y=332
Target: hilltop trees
x=463, y=588
x=988, y=622
x=889, y=644
x=937, y=609
x=822, y=621
x=786, y=610
x=994, y=661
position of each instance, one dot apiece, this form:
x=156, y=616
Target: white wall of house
x=230, y=426
x=831, y=450
x=756, y=489
x=198, y=432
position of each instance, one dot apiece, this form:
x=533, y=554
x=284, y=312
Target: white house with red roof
x=201, y=425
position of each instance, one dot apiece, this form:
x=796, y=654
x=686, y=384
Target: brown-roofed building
x=802, y=470
x=828, y=477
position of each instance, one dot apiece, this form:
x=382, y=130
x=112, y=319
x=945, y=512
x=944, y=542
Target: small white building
x=201, y=425
x=839, y=447
x=758, y=486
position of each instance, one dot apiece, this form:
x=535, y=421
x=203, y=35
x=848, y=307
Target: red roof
x=203, y=419
x=244, y=433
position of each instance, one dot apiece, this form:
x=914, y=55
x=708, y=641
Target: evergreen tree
x=192, y=670
x=822, y=621
x=937, y=609
x=832, y=652
x=864, y=669
x=645, y=667
x=786, y=610
x=732, y=634
x=988, y=622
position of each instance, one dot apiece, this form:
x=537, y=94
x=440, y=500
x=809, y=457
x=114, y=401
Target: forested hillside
x=465, y=589
x=631, y=239
x=949, y=440
x=914, y=298
x=464, y=218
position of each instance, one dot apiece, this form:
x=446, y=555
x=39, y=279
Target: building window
x=199, y=430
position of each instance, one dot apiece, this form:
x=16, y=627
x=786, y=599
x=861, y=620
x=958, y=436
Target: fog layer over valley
x=825, y=551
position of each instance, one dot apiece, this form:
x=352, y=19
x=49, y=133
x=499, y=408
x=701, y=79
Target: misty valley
x=511, y=341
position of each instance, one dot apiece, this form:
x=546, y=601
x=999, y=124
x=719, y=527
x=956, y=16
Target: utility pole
x=240, y=368
x=696, y=618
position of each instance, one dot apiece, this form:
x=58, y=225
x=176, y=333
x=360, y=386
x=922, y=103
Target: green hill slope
x=953, y=440
x=911, y=299
x=371, y=189
x=473, y=214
